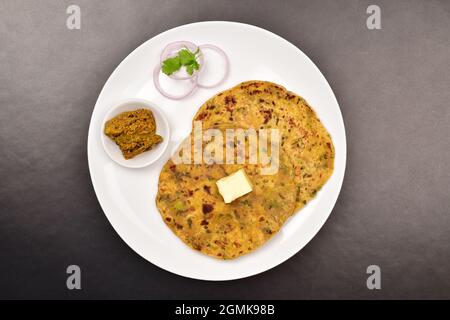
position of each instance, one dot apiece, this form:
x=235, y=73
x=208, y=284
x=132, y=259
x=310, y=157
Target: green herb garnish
x=184, y=58
x=171, y=65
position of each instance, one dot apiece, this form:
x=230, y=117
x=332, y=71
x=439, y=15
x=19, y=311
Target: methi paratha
x=191, y=206
x=261, y=104
x=188, y=198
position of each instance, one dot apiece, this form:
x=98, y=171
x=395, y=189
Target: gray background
x=393, y=89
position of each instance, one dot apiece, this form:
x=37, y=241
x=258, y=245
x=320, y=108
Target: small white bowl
x=148, y=157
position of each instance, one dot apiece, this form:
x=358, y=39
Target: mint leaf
x=171, y=65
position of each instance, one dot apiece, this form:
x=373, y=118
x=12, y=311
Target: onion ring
x=227, y=65
x=174, y=47
x=156, y=73
x=169, y=51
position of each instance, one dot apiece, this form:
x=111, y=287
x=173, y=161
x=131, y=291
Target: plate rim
x=333, y=201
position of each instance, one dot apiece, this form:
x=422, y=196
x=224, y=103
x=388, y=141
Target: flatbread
x=188, y=198
x=262, y=104
x=192, y=207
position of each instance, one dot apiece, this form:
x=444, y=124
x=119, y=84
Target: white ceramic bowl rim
x=144, y=104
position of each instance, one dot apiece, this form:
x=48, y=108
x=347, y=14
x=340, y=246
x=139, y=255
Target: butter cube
x=234, y=186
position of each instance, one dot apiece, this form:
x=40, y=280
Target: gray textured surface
x=393, y=89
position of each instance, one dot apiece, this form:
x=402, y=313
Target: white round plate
x=127, y=196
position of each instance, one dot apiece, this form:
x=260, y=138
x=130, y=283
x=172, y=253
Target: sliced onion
x=227, y=65
x=156, y=73
x=172, y=49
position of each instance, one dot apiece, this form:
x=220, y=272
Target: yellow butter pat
x=234, y=186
